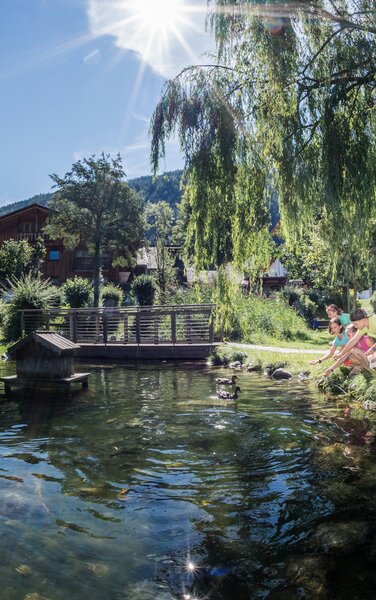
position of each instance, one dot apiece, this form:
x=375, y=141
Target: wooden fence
x=179, y=324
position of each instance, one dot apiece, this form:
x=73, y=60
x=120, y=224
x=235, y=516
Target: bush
x=225, y=356
x=256, y=317
x=28, y=292
x=144, y=289
x=111, y=295
x=77, y=292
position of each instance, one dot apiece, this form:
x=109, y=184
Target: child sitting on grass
x=334, y=312
x=340, y=340
x=365, y=324
x=356, y=357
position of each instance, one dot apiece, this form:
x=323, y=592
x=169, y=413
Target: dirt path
x=276, y=349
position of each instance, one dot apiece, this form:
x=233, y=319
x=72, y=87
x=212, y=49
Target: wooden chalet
x=59, y=264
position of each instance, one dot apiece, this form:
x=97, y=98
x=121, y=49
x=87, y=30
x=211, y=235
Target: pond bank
x=360, y=389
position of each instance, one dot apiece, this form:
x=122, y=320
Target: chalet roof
x=48, y=339
x=24, y=209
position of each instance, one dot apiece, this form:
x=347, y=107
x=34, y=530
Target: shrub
x=225, y=356
x=255, y=317
x=28, y=292
x=77, y=292
x=111, y=295
x=337, y=382
x=309, y=307
x=144, y=289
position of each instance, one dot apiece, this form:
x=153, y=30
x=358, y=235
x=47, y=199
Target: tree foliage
x=93, y=205
x=159, y=218
x=287, y=105
x=18, y=258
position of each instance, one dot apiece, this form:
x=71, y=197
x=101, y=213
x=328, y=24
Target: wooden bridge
x=150, y=332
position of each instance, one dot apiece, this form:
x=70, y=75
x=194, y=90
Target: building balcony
x=86, y=264
x=31, y=236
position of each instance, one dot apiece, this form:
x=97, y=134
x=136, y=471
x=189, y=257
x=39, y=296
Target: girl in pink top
x=356, y=357
x=365, y=342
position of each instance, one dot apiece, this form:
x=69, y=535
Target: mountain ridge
x=164, y=187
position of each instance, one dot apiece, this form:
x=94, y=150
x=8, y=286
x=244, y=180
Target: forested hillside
x=165, y=187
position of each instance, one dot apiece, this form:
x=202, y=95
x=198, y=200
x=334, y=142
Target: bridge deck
x=147, y=351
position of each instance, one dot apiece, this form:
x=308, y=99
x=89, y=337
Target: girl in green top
x=334, y=312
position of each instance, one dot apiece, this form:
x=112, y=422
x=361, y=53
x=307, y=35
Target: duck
x=227, y=380
x=224, y=395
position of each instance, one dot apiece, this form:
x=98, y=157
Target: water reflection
x=149, y=486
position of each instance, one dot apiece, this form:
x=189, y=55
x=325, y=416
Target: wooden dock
x=20, y=383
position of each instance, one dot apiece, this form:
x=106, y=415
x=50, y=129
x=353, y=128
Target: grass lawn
x=318, y=340
x=294, y=362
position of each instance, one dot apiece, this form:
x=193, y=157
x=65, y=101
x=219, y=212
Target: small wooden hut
x=44, y=357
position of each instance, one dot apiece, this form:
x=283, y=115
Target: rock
x=308, y=573
x=236, y=365
x=303, y=375
x=281, y=374
x=339, y=538
x=252, y=367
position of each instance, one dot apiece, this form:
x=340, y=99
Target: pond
x=146, y=486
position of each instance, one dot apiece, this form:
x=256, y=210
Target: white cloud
x=165, y=46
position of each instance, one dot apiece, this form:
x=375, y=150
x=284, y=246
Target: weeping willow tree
x=286, y=105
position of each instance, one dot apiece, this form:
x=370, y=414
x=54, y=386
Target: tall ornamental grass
x=28, y=292
x=257, y=317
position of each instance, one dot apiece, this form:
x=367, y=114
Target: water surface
x=146, y=486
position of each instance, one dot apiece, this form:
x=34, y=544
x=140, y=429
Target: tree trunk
x=355, y=295
x=97, y=271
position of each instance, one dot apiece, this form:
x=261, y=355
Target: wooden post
x=74, y=326
x=173, y=327
x=138, y=327
x=105, y=326
x=211, y=329
x=126, y=329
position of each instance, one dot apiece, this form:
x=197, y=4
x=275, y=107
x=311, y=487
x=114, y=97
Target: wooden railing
x=31, y=236
x=178, y=324
x=87, y=263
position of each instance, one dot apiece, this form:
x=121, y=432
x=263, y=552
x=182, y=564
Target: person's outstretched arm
x=340, y=360
x=325, y=357
x=351, y=343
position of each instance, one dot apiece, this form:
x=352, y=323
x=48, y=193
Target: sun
x=158, y=17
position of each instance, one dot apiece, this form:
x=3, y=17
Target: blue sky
x=81, y=76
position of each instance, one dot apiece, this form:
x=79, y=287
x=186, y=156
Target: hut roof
x=48, y=339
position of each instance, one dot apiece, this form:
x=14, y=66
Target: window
x=54, y=255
